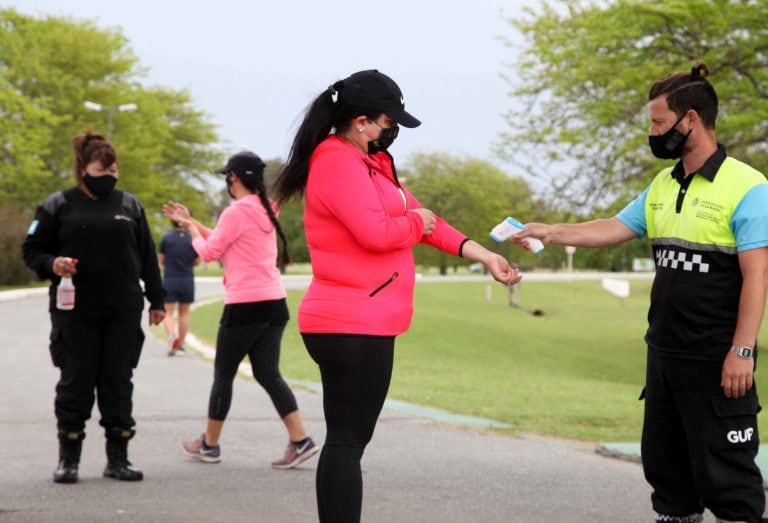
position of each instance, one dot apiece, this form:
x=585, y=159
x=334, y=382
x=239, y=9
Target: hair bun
x=700, y=70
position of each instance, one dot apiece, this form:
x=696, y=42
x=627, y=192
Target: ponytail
x=317, y=124
x=262, y=192
x=324, y=115
x=255, y=184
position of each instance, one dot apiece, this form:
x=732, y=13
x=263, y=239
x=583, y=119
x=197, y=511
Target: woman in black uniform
x=99, y=237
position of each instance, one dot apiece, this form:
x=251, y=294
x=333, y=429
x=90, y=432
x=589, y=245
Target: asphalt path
x=414, y=470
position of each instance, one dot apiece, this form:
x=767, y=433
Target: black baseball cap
x=376, y=91
x=244, y=162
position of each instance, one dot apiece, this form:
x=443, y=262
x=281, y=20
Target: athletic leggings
x=356, y=371
x=261, y=342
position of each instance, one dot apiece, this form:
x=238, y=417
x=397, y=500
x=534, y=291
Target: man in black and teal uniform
x=707, y=219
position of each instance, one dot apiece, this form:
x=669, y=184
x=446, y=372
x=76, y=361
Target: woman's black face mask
x=100, y=185
x=386, y=138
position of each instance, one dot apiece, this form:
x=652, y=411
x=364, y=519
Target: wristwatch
x=743, y=352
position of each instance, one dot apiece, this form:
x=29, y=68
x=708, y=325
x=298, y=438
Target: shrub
x=12, y=233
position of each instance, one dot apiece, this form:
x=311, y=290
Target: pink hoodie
x=360, y=232
x=244, y=240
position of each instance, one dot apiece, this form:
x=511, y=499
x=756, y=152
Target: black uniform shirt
x=110, y=239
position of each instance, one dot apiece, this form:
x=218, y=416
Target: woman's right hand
x=64, y=266
x=428, y=217
x=176, y=211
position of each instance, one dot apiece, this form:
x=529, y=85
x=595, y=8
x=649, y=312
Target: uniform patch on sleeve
x=33, y=227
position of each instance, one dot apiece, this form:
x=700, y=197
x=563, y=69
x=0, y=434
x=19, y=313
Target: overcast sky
x=253, y=66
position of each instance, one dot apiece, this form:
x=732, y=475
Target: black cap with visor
x=243, y=163
x=375, y=91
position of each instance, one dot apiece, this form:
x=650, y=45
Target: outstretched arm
x=180, y=214
x=595, y=233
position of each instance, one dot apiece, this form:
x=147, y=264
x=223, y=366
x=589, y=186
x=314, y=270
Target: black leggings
x=355, y=370
x=261, y=342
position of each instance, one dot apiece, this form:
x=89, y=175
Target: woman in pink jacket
x=255, y=312
x=361, y=225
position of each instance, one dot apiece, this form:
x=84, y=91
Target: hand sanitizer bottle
x=65, y=294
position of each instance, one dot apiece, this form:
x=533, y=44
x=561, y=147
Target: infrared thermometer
x=509, y=228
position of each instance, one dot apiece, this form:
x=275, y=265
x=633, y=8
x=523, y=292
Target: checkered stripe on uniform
x=679, y=260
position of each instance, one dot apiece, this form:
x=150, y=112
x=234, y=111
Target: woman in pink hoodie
x=255, y=312
x=361, y=225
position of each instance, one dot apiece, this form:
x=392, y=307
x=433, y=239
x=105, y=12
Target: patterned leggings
x=261, y=342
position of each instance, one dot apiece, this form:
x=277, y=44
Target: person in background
x=361, y=224
x=255, y=311
x=96, y=344
x=178, y=258
x=707, y=219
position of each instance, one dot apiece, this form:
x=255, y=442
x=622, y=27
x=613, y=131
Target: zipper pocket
x=381, y=287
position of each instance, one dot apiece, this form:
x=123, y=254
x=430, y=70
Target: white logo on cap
x=402, y=100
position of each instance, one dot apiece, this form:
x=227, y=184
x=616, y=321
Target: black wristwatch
x=743, y=352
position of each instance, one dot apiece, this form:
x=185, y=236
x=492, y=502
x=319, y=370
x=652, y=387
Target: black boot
x=70, y=445
x=118, y=466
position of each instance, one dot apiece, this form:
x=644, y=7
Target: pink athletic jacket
x=360, y=234
x=244, y=240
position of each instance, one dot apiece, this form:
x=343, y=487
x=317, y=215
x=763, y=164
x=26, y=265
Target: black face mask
x=100, y=186
x=669, y=146
x=230, y=181
x=385, y=139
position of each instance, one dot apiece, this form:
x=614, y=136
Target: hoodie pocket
x=384, y=285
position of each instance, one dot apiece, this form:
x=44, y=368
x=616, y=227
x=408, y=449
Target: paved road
x=415, y=470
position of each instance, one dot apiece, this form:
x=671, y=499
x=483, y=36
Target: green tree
x=25, y=141
x=581, y=84
x=49, y=67
x=472, y=195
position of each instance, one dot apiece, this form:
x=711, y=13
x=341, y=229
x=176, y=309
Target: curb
x=20, y=294
x=623, y=451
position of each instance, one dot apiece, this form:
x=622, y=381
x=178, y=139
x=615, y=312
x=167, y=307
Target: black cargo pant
x=96, y=351
x=699, y=447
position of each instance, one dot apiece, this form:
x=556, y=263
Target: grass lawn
x=576, y=371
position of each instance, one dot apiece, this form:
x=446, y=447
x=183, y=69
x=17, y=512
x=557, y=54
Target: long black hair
x=324, y=115
x=255, y=184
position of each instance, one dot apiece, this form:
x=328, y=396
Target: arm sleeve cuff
x=461, y=247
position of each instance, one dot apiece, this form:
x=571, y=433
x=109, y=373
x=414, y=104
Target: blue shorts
x=179, y=290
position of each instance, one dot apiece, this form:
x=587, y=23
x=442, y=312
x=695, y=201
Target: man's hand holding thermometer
x=509, y=228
